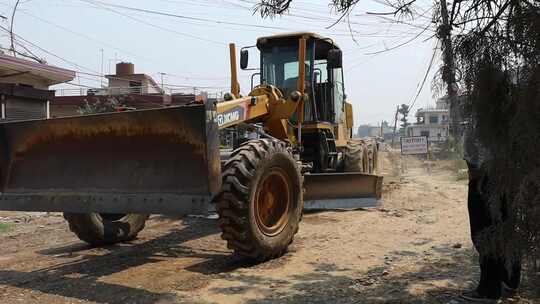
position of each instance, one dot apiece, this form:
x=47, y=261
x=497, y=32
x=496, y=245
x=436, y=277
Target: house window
x=424, y=133
x=23, y=109
x=434, y=119
x=135, y=87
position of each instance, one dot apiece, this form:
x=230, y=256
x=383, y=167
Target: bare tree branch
x=400, y=8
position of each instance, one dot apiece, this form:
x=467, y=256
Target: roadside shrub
x=99, y=106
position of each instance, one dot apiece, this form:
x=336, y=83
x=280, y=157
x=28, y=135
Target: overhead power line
x=425, y=76
x=106, y=7
x=79, y=67
x=124, y=78
x=141, y=10
x=81, y=34
x=403, y=43
x=18, y=37
x=109, y=7
x=100, y=42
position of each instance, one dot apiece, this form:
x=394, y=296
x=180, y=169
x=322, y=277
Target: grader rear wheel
x=361, y=156
x=100, y=229
x=260, y=204
x=356, y=157
x=373, y=157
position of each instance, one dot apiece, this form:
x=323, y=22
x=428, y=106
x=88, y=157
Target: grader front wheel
x=272, y=201
x=260, y=204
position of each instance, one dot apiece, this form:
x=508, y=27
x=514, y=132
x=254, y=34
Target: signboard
x=414, y=145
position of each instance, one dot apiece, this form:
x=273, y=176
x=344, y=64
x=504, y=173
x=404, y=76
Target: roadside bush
x=4, y=227
x=99, y=106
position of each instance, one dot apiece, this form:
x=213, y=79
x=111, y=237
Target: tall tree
x=404, y=111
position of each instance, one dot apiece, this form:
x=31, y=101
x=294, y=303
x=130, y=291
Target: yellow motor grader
x=108, y=172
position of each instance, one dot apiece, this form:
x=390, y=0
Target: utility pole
x=11, y=29
x=395, y=126
x=162, y=86
x=449, y=70
x=101, y=78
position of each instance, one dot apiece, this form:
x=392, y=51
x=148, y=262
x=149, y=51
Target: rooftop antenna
x=162, y=86
x=101, y=78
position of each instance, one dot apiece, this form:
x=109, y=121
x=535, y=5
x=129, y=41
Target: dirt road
x=413, y=249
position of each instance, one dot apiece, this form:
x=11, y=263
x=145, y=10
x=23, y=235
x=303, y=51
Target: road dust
x=414, y=249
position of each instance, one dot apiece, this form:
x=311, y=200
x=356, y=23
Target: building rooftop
x=12, y=66
x=430, y=110
x=135, y=77
x=295, y=35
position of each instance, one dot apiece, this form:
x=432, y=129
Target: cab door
x=338, y=95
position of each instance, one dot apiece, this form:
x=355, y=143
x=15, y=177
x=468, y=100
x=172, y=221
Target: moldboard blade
x=147, y=161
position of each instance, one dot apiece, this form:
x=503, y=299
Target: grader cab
x=107, y=172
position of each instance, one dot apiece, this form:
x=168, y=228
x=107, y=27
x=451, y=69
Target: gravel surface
x=413, y=249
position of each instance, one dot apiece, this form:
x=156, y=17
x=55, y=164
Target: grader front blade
x=149, y=161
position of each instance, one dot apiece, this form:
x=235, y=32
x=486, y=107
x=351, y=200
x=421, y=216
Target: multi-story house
x=432, y=122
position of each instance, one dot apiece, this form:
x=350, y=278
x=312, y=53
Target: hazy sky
x=194, y=52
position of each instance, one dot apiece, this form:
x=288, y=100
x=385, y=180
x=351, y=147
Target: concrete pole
x=395, y=126
x=449, y=70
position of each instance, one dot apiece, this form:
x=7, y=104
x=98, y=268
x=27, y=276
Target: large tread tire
x=355, y=159
x=242, y=174
x=99, y=230
x=374, y=157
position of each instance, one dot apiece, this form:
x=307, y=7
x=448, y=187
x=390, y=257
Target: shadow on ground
x=437, y=278
x=433, y=277
x=80, y=279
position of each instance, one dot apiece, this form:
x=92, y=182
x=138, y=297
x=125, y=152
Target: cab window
x=339, y=94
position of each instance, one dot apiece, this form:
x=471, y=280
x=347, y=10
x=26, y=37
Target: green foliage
x=404, y=111
x=271, y=8
x=461, y=174
x=4, y=227
x=451, y=149
x=99, y=106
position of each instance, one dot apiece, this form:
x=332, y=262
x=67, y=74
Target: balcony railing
x=142, y=90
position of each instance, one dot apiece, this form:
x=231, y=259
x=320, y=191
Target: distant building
x=368, y=131
x=24, y=88
x=125, y=81
x=442, y=103
x=432, y=122
x=374, y=131
x=133, y=91
x=138, y=91
x=62, y=106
